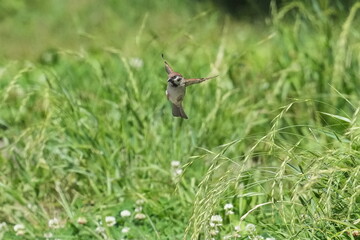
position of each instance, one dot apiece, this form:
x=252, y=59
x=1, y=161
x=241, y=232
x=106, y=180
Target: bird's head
x=175, y=79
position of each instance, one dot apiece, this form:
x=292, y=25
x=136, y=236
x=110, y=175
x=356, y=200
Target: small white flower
x=250, y=228
x=229, y=212
x=136, y=62
x=140, y=216
x=178, y=172
x=48, y=235
x=227, y=237
x=20, y=233
x=215, y=220
x=236, y=235
x=110, y=221
x=175, y=164
x=138, y=209
x=125, y=213
x=31, y=206
x=54, y=223
x=3, y=226
x=237, y=228
x=270, y=238
x=258, y=238
x=214, y=232
x=100, y=230
x=18, y=227
x=140, y=202
x=125, y=230
x=228, y=206
x=82, y=220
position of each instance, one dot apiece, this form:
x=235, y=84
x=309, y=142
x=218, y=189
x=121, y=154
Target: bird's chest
x=175, y=94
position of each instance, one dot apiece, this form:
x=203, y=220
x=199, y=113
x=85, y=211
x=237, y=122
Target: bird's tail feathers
x=178, y=111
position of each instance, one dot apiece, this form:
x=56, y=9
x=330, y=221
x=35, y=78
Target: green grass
x=86, y=133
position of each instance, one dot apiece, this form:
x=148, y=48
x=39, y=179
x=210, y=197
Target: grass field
x=89, y=148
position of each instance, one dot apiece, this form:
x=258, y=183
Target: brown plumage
x=176, y=89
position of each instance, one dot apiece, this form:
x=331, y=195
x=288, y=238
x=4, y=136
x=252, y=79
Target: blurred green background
x=86, y=130
x=30, y=28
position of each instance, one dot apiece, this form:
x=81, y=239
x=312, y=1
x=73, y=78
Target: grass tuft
x=89, y=149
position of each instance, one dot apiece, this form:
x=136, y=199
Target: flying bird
x=176, y=89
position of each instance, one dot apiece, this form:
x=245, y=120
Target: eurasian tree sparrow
x=176, y=89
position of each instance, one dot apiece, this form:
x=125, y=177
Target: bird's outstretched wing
x=191, y=81
x=168, y=69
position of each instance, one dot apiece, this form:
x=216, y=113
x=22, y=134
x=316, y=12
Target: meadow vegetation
x=89, y=149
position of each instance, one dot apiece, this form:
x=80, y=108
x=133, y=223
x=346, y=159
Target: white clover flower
x=136, y=62
x=48, y=235
x=178, y=172
x=125, y=230
x=237, y=228
x=125, y=213
x=20, y=233
x=19, y=229
x=228, y=206
x=250, y=228
x=227, y=237
x=31, y=206
x=175, y=164
x=110, y=221
x=140, y=202
x=236, y=235
x=138, y=209
x=140, y=216
x=82, y=220
x=3, y=226
x=229, y=212
x=258, y=237
x=214, y=232
x=54, y=223
x=216, y=220
x=100, y=229
x=270, y=238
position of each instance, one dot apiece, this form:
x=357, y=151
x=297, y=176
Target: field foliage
x=86, y=132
